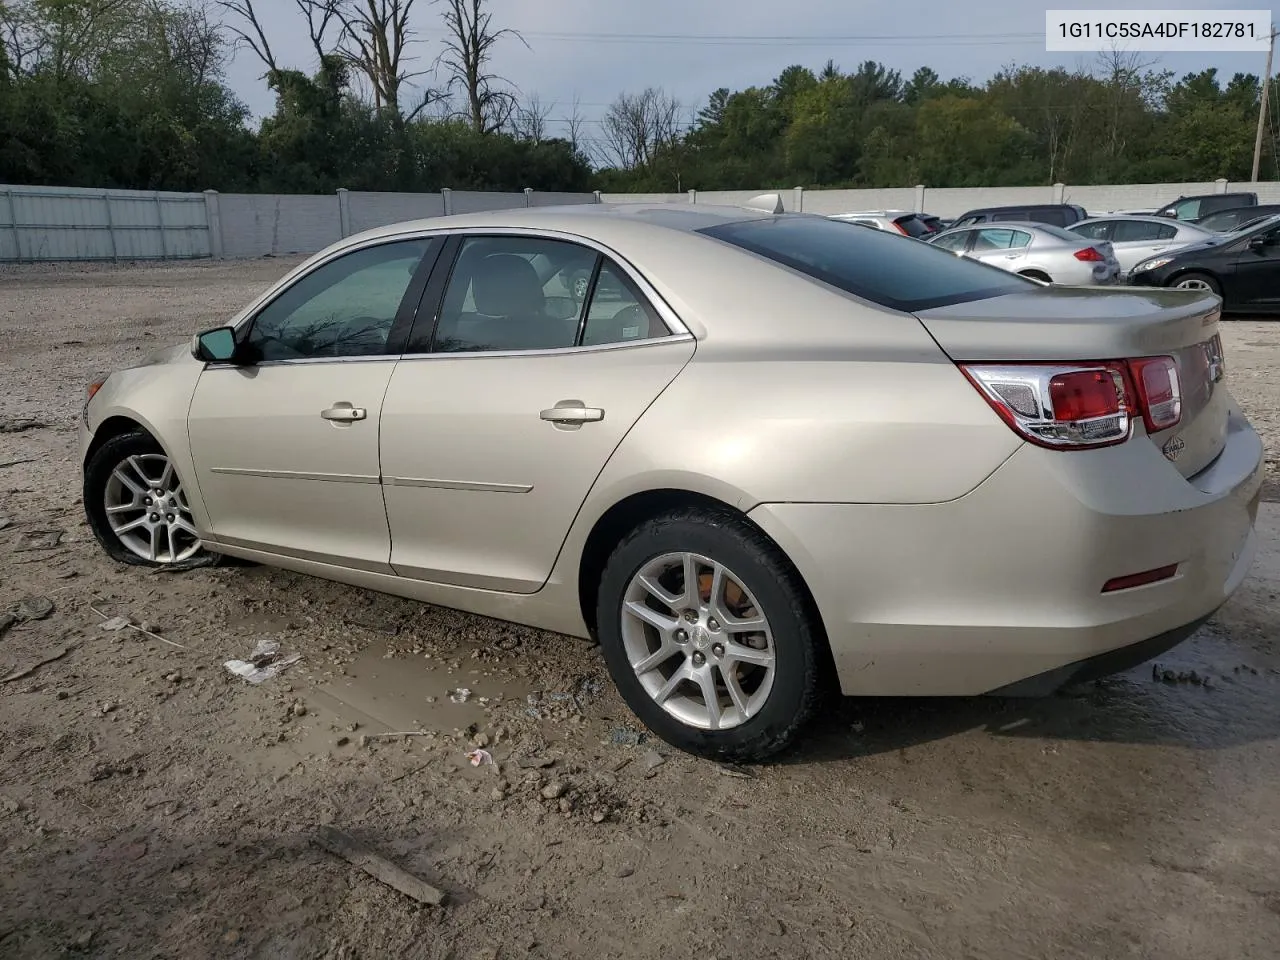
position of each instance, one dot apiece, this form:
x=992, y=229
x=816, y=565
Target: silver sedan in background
x=1137, y=238
x=1038, y=251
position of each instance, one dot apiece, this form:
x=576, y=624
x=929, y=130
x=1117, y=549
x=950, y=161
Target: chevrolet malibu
x=755, y=455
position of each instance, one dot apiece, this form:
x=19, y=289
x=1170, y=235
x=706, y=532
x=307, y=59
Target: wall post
x=212, y=216
x=1220, y=185
x=528, y=196
x=919, y=198
x=447, y=196
x=344, y=212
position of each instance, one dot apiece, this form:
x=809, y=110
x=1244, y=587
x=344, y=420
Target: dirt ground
x=153, y=805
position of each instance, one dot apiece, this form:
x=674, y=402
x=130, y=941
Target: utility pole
x=1262, y=109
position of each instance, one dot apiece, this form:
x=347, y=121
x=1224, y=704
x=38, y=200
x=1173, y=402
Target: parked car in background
x=906, y=222
x=1243, y=268
x=955, y=501
x=1193, y=208
x=936, y=224
x=1037, y=251
x=1135, y=239
x=1236, y=218
x=1056, y=214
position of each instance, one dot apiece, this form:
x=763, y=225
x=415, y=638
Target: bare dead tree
x=575, y=123
x=468, y=48
x=320, y=16
x=530, y=121
x=192, y=37
x=249, y=32
x=637, y=126
x=376, y=37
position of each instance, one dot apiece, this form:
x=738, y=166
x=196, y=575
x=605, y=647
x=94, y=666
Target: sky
x=596, y=49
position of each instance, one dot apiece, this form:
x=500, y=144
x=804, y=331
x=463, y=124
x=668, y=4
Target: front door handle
x=344, y=413
x=572, y=412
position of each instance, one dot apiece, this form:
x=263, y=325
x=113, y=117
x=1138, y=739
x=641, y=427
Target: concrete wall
x=65, y=223
x=951, y=202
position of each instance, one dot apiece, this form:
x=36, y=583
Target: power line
x=708, y=39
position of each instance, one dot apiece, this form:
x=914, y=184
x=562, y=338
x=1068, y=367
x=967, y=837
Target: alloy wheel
x=698, y=641
x=147, y=510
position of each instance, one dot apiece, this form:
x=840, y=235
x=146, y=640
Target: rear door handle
x=344, y=413
x=572, y=412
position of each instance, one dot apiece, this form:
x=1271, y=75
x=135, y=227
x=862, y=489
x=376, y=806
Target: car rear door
x=509, y=401
x=1135, y=240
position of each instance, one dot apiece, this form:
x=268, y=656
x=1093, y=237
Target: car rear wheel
x=1197, y=281
x=709, y=636
x=136, y=506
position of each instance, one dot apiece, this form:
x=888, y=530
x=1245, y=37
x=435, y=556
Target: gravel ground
x=152, y=805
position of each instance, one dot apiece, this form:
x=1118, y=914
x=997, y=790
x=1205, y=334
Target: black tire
x=802, y=671
x=1036, y=275
x=97, y=472
x=1209, y=281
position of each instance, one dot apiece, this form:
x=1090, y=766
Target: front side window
x=345, y=308
x=1187, y=209
x=893, y=271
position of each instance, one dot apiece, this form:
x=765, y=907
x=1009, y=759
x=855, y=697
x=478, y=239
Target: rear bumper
x=1005, y=583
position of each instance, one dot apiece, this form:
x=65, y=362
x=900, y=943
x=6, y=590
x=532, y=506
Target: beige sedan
x=758, y=456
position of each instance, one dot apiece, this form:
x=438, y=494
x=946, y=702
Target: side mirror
x=214, y=346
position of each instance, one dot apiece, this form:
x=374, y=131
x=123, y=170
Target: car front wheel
x=136, y=506
x=709, y=635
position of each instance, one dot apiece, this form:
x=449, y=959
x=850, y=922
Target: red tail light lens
x=1090, y=255
x=1086, y=395
x=1060, y=405
x=1083, y=405
x=1159, y=390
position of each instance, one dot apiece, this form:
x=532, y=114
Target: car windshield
x=1252, y=226
x=893, y=271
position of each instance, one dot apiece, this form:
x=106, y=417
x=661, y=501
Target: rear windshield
x=1060, y=232
x=913, y=226
x=893, y=271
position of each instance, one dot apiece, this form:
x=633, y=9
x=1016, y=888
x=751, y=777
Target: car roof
x=872, y=213
x=1025, y=206
x=581, y=218
x=1140, y=217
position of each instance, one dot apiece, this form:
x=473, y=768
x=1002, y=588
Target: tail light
x=1090, y=255
x=1081, y=405
x=900, y=228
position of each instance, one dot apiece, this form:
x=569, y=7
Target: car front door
x=285, y=441
x=1257, y=273
x=511, y=397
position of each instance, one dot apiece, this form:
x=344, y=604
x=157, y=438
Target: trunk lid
x=1075, y=324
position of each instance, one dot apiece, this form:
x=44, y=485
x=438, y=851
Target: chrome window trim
x=674, y=324
x=550, y=351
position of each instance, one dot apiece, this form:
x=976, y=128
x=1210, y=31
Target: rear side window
x=1135, y=231
x=895, y=272
x=1059, y=218
x=1101, y=230
x=1012, y=215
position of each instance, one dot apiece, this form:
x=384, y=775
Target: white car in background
x=1038, y=251
x=1138, y=238
x=906, y=222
